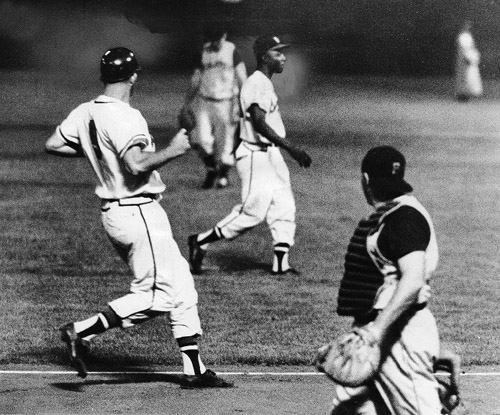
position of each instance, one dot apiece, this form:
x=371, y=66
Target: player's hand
x=301, y=157
x=180, y=142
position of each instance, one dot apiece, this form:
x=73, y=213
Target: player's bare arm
x=56, y=146
x=407, y=292
x=259, y=122
x=241, y=74
x=138, y=161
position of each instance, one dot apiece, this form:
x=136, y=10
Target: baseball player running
x=388, y=265
x=114, y=137
x=266, y=193
x=213, y=98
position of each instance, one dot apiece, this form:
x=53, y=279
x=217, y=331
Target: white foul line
x=65, y=372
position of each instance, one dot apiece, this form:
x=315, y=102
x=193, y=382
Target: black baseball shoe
x=210, y=179
x=206, y=380
x=75, y=347
x=196, y=255
x=290, y=270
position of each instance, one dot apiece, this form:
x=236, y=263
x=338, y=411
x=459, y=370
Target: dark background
x=388, y=37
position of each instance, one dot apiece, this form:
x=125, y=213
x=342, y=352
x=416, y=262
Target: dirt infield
x=261, y=393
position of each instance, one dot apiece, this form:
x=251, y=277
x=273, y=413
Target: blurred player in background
x=266, y=192
x=468, y=83
x=115, y=139
x=214, y=101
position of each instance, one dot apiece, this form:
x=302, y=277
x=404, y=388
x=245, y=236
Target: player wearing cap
x=388, y=265
x=266, y=193
x=213, y=97
x=114, y=137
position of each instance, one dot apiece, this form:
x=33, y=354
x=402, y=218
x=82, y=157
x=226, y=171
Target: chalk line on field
x=65, y=372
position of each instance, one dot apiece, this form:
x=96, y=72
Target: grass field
x=56, y=264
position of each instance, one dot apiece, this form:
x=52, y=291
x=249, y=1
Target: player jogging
x=115, y=139
x=213, y=98
x=266, y=192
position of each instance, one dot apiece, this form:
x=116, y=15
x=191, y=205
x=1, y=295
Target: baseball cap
x=385, y=167
x=267, y=42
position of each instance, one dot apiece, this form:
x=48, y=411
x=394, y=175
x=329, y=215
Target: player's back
x=106, y=128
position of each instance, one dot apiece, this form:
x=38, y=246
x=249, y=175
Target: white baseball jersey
x=105, y=129
x=217, y=71
x=258, y=89
x=468, y=77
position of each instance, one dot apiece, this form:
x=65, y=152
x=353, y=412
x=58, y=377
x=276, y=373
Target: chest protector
x=370, y=279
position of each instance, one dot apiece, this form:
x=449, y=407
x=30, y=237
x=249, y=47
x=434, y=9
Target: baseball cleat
x=286, y=271
x=206, y=380
x=222, y=182
x=210, y=179
x=196, y=255
x=75, y=348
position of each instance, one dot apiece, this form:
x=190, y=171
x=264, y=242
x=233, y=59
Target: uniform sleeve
x=406, y=230
x=128, y=132
x=253, y=93
x=68, y=129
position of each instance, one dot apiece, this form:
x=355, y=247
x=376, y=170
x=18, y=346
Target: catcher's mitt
x=352, y=359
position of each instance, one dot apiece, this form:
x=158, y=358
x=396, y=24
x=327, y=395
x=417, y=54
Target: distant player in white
x=468, y=83
x=214, y=92
x=115, y=139
x=266, y=192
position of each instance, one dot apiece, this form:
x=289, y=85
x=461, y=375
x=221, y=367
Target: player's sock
x=191, y=361
x=280, y=257
x=209, y=236
x=89, y=328
x=212, y=172
x=210, y=162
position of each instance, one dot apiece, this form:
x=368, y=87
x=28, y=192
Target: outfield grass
x=56, y=264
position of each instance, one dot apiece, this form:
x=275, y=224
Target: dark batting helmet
x=117, y=65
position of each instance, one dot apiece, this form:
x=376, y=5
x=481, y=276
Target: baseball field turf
x=56, y=264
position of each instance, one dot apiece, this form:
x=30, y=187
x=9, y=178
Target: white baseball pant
x=405, y=381
x=266, y=194
x=215, y=128
x=162, y=282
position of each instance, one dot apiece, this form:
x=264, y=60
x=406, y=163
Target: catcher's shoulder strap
x=362, y=278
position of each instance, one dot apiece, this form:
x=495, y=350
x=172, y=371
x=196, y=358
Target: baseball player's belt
x=373, y=313
x=130, y=201
x=257, y=146
x=216, y=99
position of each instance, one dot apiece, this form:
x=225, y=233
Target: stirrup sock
x=209, y=236
x=191, y=361
x=280, y=257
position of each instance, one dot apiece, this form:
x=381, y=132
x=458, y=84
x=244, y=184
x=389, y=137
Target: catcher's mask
x=117, y=65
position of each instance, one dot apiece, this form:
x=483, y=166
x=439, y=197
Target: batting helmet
x=117, y=65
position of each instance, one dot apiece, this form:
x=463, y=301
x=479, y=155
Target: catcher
x=386, y=365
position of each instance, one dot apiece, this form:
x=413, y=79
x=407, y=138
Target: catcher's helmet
x=118, y=64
